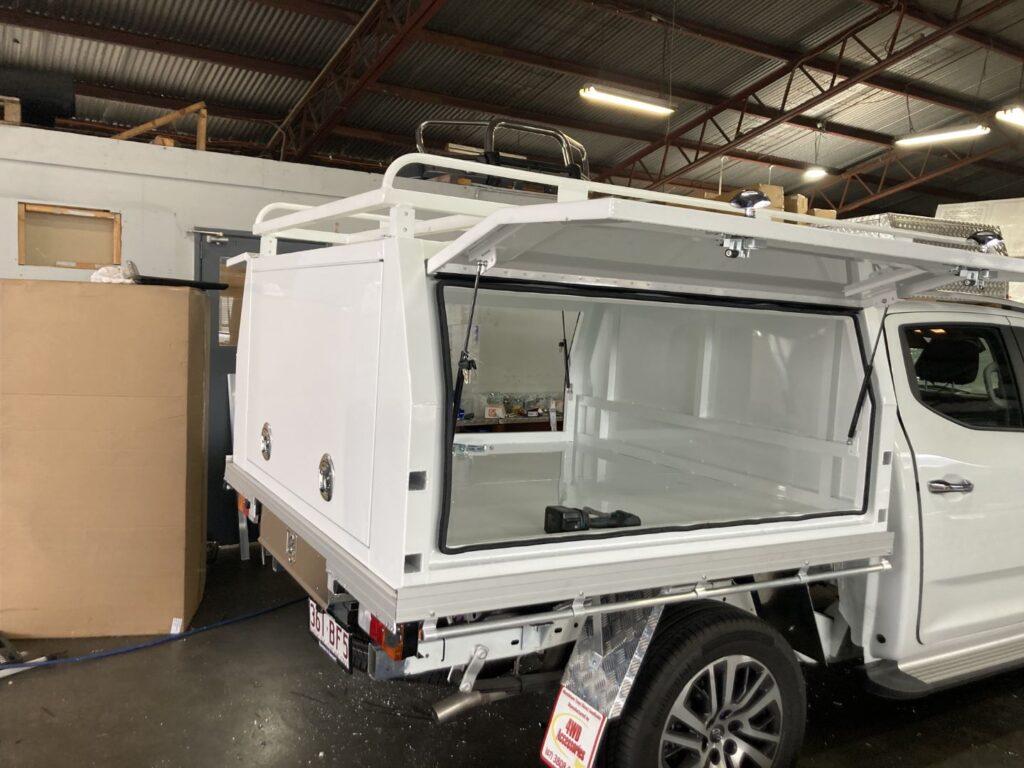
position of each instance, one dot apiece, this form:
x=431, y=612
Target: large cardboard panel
x=102, y=465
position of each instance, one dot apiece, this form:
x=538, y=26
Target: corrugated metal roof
x=240, y=26
x=146, y=70
x=585, y=33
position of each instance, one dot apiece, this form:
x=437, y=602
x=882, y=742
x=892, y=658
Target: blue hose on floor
x=149, y=643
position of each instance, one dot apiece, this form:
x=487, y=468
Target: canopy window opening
x=661, y=416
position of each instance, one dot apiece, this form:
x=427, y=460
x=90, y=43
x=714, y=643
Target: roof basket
x=574, y=163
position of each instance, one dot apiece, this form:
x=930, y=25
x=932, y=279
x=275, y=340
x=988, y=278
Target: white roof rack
x=637, y=238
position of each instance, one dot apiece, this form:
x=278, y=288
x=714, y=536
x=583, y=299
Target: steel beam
x=786, y=75
x=284, y=69
x=250, y=148
x=914, y=181
x=341, y=131
x=406, y=142
x=892, y=172
x=764, y=49
x=371, y=46
x=501, y=110
x=341, y=15
x=565, y=67
x=935, y=20
x=323, y=10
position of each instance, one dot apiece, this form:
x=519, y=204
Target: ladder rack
x=398, y=211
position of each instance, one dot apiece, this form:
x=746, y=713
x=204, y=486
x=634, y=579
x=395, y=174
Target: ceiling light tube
x=1013, y=115
x=949, y=134
x=815, y=173
x=617, y=98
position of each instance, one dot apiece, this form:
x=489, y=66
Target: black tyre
x=719, y=688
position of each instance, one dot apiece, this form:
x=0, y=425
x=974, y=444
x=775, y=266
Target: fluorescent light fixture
x=815, y=173
x=1013, y=115
x=950, y=134
x=625, y=100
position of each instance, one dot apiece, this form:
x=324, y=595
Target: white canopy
x=633, y=244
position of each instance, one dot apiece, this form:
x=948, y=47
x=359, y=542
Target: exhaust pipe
x=458, y=704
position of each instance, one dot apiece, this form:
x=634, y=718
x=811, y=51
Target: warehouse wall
x=161, y=192
x=1008, y=215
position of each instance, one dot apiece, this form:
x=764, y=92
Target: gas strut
x=466, y=363
x=866, y=381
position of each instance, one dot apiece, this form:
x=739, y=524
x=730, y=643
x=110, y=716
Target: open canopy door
x=773, y=255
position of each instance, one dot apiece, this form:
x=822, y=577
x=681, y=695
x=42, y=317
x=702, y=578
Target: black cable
x=149, y=643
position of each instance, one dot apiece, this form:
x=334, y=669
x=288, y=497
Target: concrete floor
x=261, y=693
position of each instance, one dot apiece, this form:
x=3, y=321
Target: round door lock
x=326, y=477
x=265, y=441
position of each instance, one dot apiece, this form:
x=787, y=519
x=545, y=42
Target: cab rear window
x=963, y=372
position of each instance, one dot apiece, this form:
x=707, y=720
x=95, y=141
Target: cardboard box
x=796, y=204
x=823, y=213
x=102, y=458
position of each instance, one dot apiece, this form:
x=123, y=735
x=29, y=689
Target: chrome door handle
x=950, y=486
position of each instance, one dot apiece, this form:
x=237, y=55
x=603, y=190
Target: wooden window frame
x=65, y=210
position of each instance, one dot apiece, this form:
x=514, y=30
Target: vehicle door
x=957, y=377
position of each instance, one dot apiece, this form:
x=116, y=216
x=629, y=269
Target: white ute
x=771, y=451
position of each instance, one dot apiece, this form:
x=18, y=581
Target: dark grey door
x=213, y=249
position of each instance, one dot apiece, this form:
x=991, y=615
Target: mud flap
x=598, y=678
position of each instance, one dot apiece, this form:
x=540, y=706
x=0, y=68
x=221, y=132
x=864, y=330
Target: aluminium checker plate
x=996, y=289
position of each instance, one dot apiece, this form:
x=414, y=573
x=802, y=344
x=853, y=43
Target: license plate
x=332, y=636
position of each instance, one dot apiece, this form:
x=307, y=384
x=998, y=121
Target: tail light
x=398, y=645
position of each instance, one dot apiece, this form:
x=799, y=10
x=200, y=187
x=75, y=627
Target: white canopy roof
x=651, y=246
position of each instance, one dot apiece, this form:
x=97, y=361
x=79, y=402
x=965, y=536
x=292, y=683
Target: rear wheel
x=719, y=689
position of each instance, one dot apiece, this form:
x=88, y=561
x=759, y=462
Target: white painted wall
x=161, y=193
x=1008, y=215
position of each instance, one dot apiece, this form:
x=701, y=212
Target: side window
x=963, y=373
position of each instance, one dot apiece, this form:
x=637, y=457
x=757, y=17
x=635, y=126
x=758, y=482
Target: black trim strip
x=525, y=286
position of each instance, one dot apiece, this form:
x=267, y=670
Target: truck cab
x=780, y=440
x=950, y=608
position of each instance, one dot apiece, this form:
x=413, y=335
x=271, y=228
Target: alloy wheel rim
x=728, y=715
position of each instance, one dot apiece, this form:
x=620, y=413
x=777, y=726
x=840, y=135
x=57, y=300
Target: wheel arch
x=693, y=631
